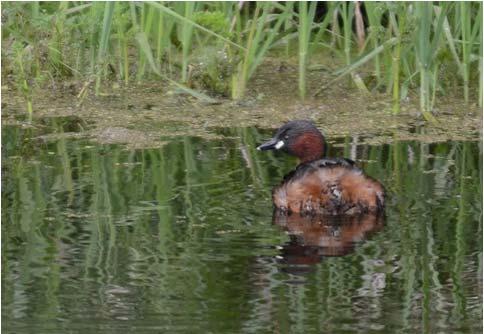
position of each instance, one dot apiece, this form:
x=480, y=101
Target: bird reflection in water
x=314, y=237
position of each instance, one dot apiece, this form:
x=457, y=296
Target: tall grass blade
x=480, y=56
x=269, y=41
x=374, y=13
x=359, y=62
x=259, y=41
x=146, y=49
x=466, y=47
x=186, y=39
x=25, y=88
x=121, y=24
x=398, y=28
x=239, y=80
x=323, y=27
x=147, y=17
x=306, y=17
x=427, y=45
x=183, y=19
x=360, y=26
x=103, y=43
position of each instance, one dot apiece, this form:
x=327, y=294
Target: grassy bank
x=213, y=49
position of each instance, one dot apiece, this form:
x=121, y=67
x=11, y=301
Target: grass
x=103, y=41
x=306, y=17
x=260, y=38
x=430, y=48
x=425, y=47
x=24, y=86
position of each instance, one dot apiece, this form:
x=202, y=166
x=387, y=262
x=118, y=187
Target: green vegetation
x=210, y=49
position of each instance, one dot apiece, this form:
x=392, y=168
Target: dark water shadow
x=312, y=238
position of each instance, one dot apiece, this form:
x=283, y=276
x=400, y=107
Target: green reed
x=424, y=53
x=374, y=14
x=103, y=41
x=186, y=37
x=481, y=56
x=404, y=47
x=145, y=25
x=121, y=23
x=260, y=38
x=22, y=81
x=306, y=17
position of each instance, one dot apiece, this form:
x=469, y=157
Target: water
x=100, y=238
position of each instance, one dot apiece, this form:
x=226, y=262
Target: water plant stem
x=306, y=17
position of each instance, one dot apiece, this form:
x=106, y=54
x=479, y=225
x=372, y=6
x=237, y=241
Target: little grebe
x=320, y=185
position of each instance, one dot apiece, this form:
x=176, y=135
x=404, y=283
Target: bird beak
x=272, y=144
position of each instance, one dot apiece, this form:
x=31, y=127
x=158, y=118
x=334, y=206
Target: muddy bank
x=143, y=114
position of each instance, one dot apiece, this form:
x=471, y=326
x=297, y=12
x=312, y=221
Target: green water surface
x=182, y=238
